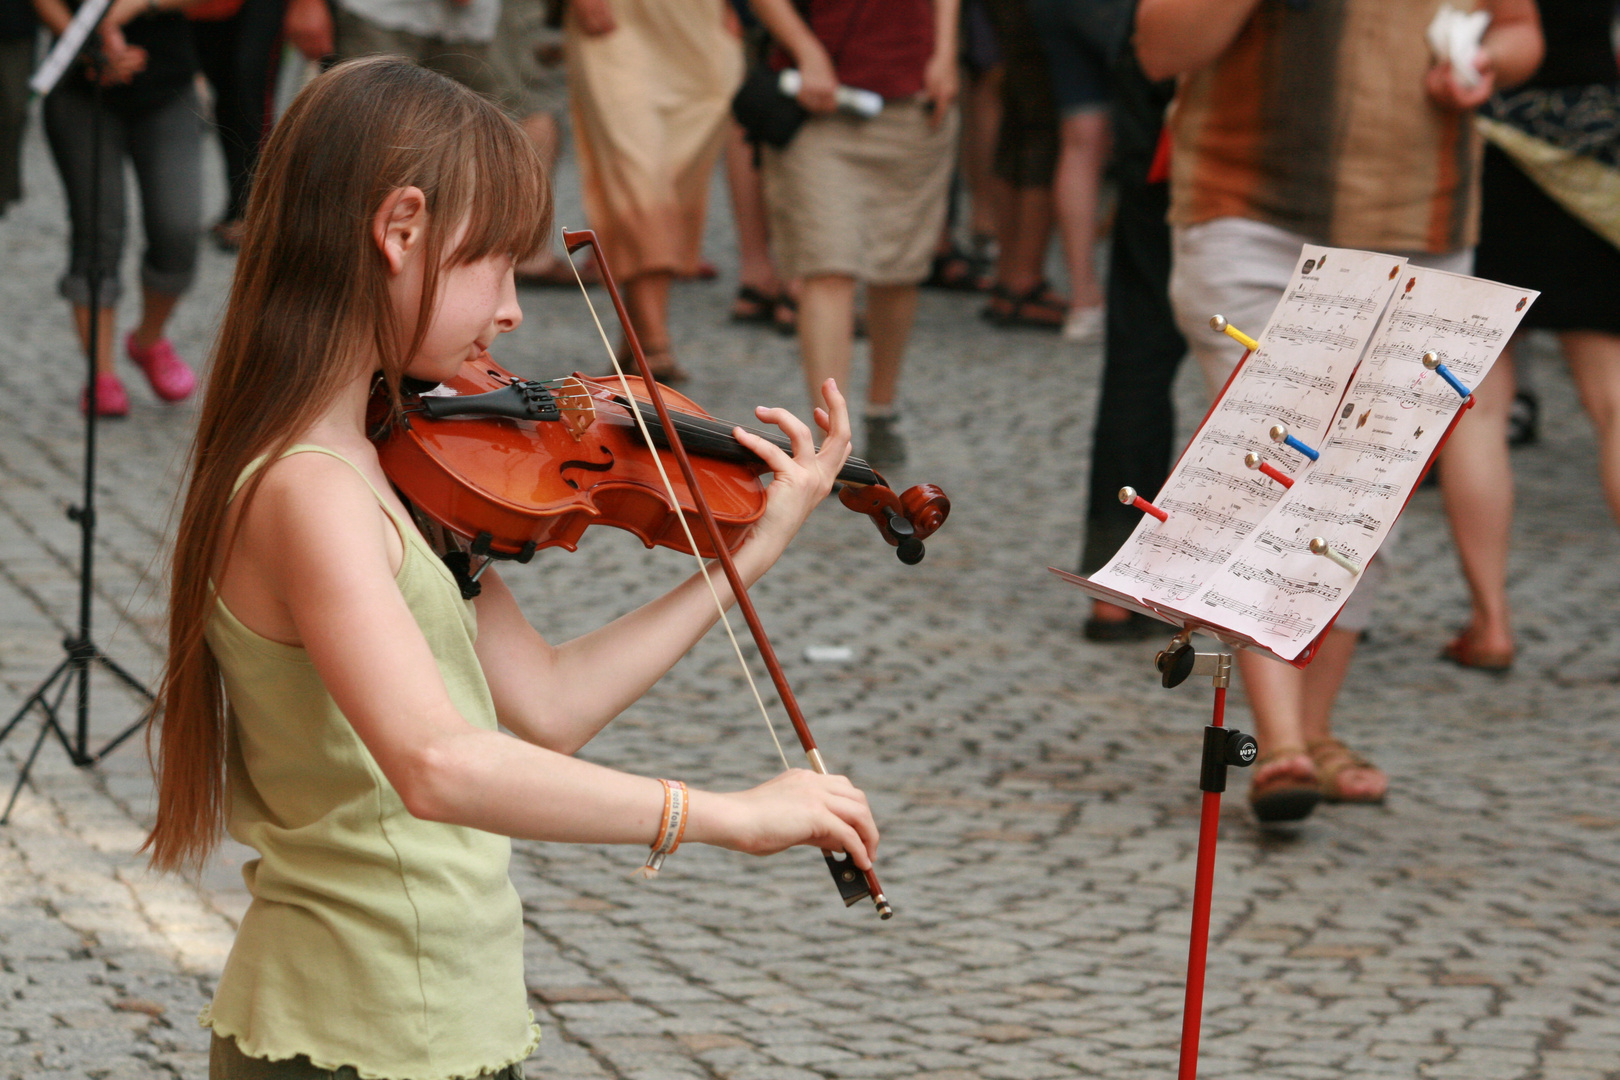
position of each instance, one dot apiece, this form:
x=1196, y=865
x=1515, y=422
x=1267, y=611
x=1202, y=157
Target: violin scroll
x=904, y=520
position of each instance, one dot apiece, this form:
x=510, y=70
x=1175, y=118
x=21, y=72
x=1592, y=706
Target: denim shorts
x=1081, y=39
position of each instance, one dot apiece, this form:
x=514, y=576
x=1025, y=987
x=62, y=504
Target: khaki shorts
x=467, y=62
x=861, y=198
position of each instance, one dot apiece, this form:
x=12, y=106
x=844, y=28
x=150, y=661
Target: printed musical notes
x=1342, y=363
x=1307, y=353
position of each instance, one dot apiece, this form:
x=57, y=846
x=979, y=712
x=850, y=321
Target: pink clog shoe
x=171, y=377
x=111, y=397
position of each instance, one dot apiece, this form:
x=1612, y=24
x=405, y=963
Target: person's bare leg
x=890, y=312
x=982, y=122
x=826, y=331
x=1276, y=693
x=156, y=308
x=81, y=324
x=1085, y=139
x=647, y=298
x=1025, y=230
x=755, y=269
x=1594, y=363
x=1476, y=480
x=1323, y=678
x=541, y=128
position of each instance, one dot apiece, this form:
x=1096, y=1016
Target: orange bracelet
x=671, y=828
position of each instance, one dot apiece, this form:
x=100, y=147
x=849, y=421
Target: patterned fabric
x=1315, y=120
x=1583, y=120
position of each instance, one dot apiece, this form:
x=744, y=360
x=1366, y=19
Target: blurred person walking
x=456, y=38
x=1081, y=38
x=239, y=45
x=1133, y=439
x=1328, y=124
x=1551, y=221
x=863, y=200
x=650, y=84
x=1025, y=163
x=149, y=116
x=18, y=29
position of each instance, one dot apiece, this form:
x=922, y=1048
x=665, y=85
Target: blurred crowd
x=875, y=147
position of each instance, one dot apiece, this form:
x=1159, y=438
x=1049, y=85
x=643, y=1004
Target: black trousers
x=241, y=57
x=1142, y=349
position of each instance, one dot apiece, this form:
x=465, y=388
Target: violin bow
x=854, y=884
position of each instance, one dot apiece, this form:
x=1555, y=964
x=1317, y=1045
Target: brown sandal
x=1331, y=758
x=1282, y=798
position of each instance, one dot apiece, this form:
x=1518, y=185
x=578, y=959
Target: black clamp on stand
x=1223, y=747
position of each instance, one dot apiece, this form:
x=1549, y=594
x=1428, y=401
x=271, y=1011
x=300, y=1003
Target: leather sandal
x=753, y=305
x=1331, y=758
x=1282, y=798
x=1039, y=308
x=1464, y=653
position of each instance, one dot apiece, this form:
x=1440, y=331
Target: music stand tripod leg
x=82, y=652
x=1223, y=747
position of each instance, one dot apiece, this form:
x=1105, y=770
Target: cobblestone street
x=1038, y=794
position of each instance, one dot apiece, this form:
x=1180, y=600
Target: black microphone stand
x=82, y=653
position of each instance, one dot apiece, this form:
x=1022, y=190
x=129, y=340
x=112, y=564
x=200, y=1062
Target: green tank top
x=374, y=939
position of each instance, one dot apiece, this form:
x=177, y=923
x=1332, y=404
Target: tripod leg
x=123, y=676
x=37, y=698
x=28, y=766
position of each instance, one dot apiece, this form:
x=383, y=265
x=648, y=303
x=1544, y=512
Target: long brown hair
x=309, y=303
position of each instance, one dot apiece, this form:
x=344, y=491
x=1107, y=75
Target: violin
x=509, y=466
x=498, y=467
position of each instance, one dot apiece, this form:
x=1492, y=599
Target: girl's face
x=477, y=303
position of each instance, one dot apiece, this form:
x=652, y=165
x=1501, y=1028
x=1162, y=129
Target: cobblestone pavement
x=1038, y=794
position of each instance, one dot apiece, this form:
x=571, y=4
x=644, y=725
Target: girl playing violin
x=330, y=698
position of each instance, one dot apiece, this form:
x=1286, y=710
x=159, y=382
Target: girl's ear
x=399, y=226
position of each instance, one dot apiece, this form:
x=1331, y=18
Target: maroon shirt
x=877, y=45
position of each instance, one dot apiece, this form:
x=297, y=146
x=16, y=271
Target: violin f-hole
x=588, y=466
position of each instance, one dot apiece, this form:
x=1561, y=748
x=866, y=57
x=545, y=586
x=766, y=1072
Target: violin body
x=510, y=466
x=539, y=483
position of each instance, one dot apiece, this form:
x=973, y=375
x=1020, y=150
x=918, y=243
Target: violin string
x=669, y=486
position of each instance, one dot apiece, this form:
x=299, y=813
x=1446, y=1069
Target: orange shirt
x=1316, y=120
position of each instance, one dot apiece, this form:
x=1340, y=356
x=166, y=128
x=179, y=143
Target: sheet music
x=1394, y=413
x=1297, y=377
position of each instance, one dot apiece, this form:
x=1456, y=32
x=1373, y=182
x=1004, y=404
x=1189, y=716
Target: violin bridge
x=576, y=405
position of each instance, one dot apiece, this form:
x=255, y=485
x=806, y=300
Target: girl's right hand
x=797, y=807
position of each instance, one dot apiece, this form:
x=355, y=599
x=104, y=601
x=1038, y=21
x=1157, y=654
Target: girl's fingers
x=822, y=420
x=774, y=457
x=837, y=410
x=849, y=841
x=804, y=446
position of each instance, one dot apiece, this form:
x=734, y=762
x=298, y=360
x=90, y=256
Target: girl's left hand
x=803, y=480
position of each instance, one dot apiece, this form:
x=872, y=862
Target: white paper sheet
x=1234, y=553
x=1307, y=353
